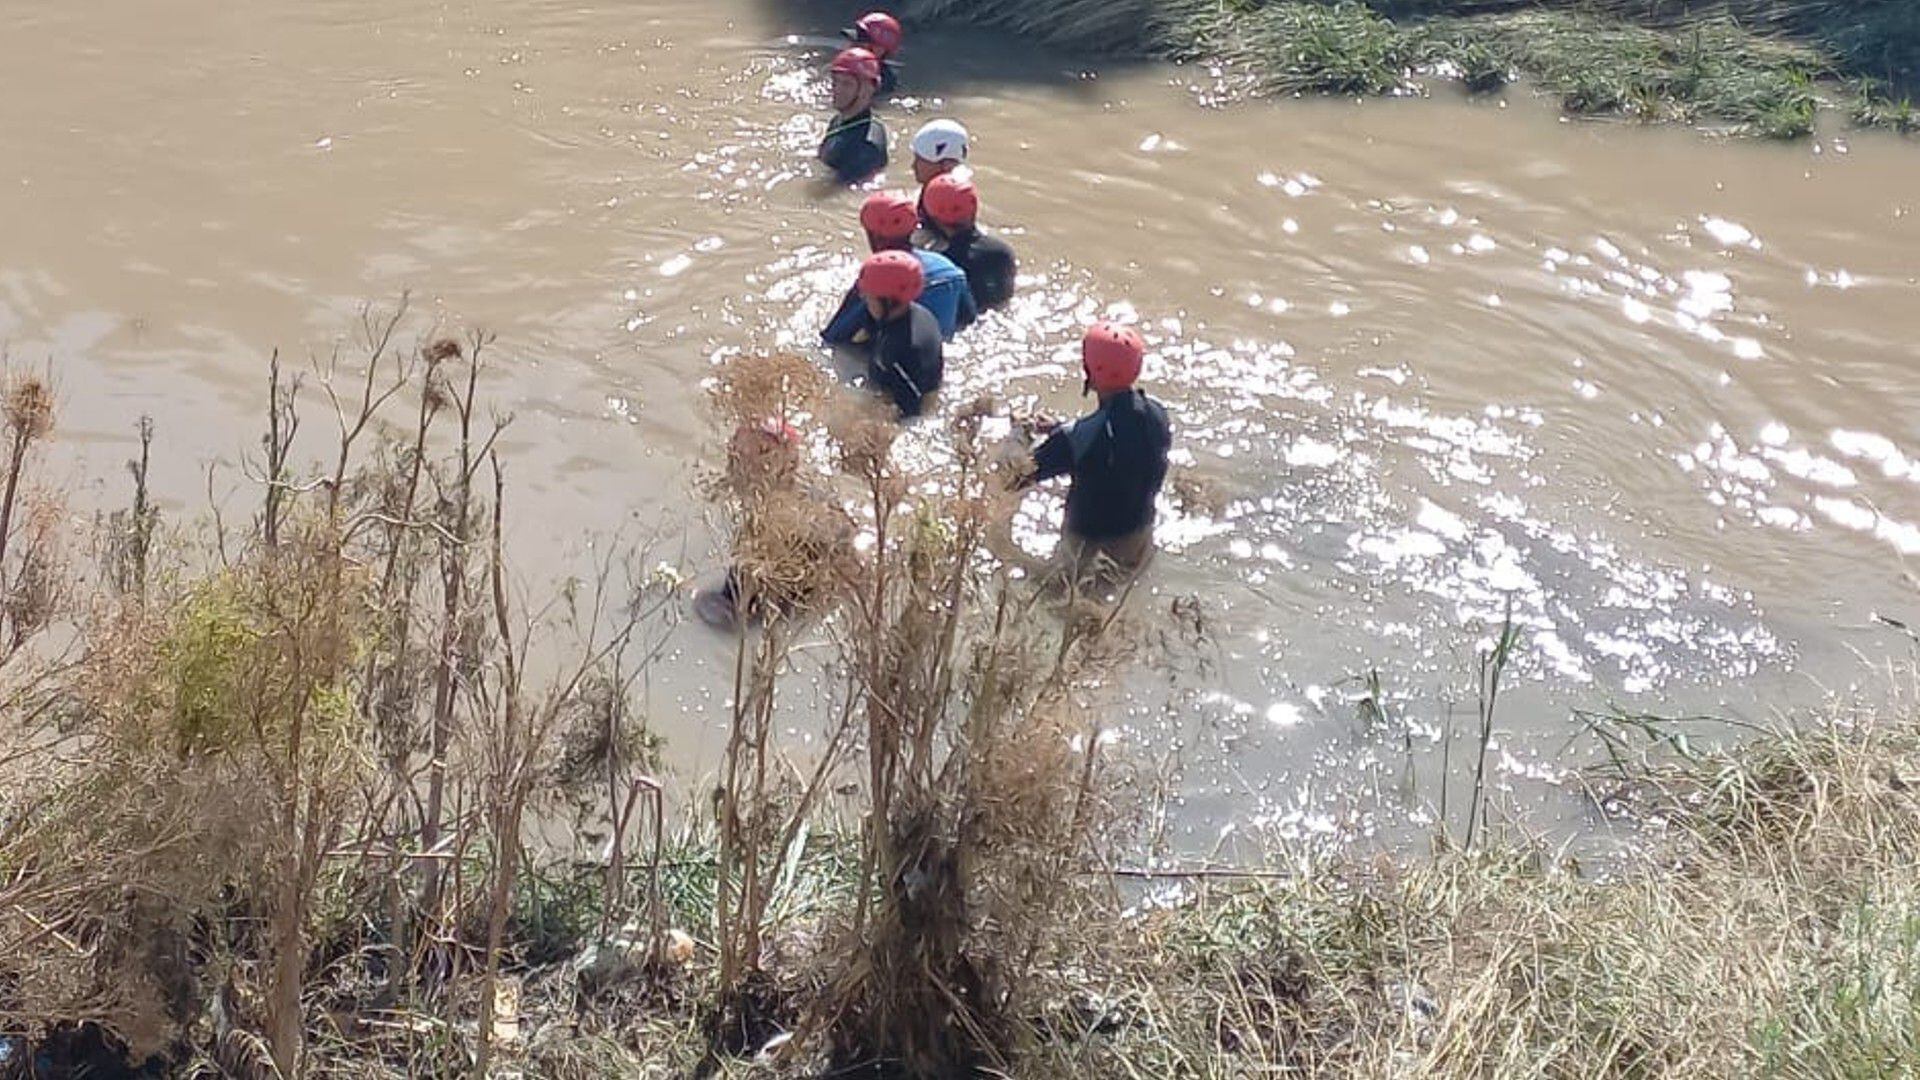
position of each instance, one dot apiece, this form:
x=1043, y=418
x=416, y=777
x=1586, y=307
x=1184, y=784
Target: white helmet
x=940, y=140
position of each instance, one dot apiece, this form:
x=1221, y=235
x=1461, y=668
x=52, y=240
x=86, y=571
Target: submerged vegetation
x=270, y=808
x=1755, y=66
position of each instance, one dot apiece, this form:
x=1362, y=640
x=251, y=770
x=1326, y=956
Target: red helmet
x=770, y=434
x=778, y=430
x=880, y=30
x=889, y=215
x=1111, y=354
x=858, y=63
x=951, y=201
x=892, y=275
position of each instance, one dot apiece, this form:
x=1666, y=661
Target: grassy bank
x=1772, y=930
x=270, y=804
x=1762, y=67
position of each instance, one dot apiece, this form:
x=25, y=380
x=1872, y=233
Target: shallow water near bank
x=1431, y=355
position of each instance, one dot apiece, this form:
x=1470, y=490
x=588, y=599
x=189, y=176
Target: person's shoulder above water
x=938, y=267
x=926, y=329
x=856, y=149
x=1135, y=412
x=1145, y=406
x=915, y=337
x=990, y=259
x=877, y=140
x=986, y=248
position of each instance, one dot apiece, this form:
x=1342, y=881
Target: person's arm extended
x=1054, y=457
x=851, y=324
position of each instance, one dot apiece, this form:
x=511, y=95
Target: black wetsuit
x=988, y=264
x=855, y=149
x=907, y=361
x=1117, y=456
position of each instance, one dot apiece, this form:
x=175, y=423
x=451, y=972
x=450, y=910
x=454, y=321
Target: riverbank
x=272, y=813
x=1758, y=67
x=1771, y=927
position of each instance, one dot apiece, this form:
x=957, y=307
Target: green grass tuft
x=1876, y=106
x=1773, y=931
x=1751, y=68
x=1342, y=49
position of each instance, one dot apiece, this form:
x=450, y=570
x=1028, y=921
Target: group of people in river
x=932, y=272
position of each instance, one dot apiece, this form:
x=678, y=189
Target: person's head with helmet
x=878, y=32
x=890, y=281
x=952, y=205
x=856, y=79
x=939, y=147
x=1111, y=356
x=763, y=455
x=889, y=217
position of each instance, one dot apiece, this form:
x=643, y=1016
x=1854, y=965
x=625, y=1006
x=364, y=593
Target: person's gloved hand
x=1011, y=455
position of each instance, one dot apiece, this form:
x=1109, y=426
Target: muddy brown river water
x=1656, y=388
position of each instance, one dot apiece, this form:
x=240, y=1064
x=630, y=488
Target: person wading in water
x=952, y=207
x=855, y=146
x=907, y=361
x=940, y=148
x=1116, y=457
x=778, y=506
